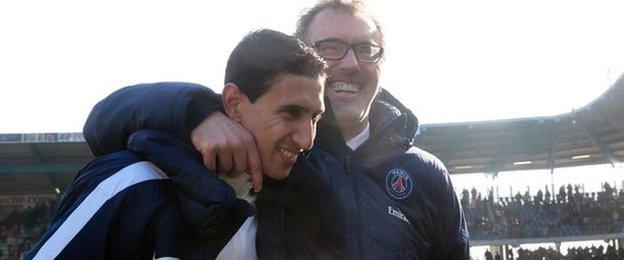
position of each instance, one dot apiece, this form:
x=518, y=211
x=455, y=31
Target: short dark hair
x=263, y=56
x=353, y=7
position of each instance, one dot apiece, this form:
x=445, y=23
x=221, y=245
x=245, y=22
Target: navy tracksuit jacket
x=387, y=199
x=118, y=207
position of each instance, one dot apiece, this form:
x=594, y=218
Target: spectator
x=533, y=217
x=547, y=195
x=22, y=226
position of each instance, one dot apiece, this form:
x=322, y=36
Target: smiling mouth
x=344, y=88
x=290, y=155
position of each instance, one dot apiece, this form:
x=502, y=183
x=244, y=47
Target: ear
x=233, y=100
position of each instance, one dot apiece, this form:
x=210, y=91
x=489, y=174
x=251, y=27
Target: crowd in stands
x=21, y=227
x=575, y=253
x=570, y=212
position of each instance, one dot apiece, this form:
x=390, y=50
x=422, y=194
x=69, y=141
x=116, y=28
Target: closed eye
x=292, y=111
x=295, y=112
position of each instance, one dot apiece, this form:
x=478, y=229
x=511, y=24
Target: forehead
x=338, y=24
x=290, y=89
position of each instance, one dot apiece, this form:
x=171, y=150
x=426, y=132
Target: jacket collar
x=393, y=129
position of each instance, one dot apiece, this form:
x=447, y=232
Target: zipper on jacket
x=356, y=249
x=282, y=237
x=358, y=218
x=347, y=161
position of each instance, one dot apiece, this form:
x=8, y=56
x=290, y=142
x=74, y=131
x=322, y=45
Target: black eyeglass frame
x=352, y=47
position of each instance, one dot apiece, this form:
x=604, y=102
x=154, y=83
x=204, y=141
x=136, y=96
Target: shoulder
x=426, y=169
x=121, y=167
x=140, y=183
x=428, y=163
x=121, y=174
x=153, y=88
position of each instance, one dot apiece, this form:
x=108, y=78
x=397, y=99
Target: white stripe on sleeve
x=107, y=189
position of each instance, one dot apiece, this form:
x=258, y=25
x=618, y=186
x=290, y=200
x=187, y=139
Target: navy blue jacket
x=155, y=200
x=388, y=198
x=98, y=217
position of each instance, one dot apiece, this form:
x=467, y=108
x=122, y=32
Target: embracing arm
x=176, y=108
x=189, y=111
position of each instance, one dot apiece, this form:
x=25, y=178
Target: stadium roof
x=40, y=163
x=593, y=134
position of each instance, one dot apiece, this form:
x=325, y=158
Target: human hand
x=221, y=139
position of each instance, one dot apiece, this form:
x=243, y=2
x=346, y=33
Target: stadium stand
x=600, y=253
x=569, y=213
x=23, y=219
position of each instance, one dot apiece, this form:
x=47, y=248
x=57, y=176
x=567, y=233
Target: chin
x=348, y=115
x=280, y=176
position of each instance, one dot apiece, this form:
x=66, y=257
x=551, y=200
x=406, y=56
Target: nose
x=304, y=135
x=349, y=62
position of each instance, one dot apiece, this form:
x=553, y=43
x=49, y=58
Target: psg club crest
x=399, y=183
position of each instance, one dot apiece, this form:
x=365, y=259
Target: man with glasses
x=399, y=199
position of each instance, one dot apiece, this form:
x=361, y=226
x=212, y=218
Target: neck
x=240, y=183
x=350, y=131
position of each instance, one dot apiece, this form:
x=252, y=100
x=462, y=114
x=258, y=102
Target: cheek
x=258, y=126
x=332, y=63
x=276, y=130
x=371, y=73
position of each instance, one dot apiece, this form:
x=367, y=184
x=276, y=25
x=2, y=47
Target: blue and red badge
x=399, y=183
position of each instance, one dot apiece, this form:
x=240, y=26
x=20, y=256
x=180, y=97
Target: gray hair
x=353, y=7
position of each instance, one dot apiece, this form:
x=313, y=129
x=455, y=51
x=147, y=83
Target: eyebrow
x=298, y=107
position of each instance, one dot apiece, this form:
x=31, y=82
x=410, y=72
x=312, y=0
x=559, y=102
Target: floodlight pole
x=553, y=145
x=551, y=153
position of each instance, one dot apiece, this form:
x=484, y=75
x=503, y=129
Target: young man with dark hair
x=157, y=200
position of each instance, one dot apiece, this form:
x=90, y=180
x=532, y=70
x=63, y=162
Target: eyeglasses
x=333, y=49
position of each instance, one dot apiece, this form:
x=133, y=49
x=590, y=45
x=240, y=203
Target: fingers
x=209, y=160
x=224, y=164
x=240, y=159
x=254, y=168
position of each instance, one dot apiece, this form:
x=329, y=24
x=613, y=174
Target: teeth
x=287, y=153
x=345, y=87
